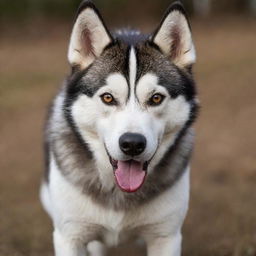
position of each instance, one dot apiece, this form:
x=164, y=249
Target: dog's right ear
x=89, y=36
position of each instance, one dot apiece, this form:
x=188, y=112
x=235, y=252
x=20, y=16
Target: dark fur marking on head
x=131, y=37
x=127, y=70
x=175, y=80
x=88, y=81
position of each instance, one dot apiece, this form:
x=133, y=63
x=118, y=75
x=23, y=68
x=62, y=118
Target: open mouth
x=130, y=175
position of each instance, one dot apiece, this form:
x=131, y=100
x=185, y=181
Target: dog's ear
x=89, y=36
x=174, y=38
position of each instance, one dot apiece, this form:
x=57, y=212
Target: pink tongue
x=129, y=175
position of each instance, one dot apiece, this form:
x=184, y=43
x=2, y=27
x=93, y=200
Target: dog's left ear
x=174, y=38
x=89, y=36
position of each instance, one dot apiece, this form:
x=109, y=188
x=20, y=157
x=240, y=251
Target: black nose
x=132, y=144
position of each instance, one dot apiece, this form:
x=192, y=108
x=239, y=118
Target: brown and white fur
x=87, y=206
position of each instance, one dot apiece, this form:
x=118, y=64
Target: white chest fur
x=77, y=215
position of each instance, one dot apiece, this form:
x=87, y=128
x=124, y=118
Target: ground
x=222, y=216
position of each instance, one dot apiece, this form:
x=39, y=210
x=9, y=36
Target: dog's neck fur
x=72, y=157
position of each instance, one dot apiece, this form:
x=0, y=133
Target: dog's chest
x=92, y=221
x=75, y=211
x=78, y=215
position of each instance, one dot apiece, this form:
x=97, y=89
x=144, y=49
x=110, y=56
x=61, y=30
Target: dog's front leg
x=165, y=246
x=65, y=246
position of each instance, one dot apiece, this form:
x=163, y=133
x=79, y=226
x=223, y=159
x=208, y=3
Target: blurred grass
x=221, y=219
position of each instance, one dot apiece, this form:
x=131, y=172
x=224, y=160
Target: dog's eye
x=108, y=99
x=156, y=99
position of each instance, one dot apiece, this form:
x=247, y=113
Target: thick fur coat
x=118, y=138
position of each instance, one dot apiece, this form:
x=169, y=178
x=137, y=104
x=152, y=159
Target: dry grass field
x=222, y=216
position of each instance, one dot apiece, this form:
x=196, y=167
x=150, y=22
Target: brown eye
x=108, y=99
x=156, y=99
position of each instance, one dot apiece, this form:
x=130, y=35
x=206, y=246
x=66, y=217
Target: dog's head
x=130, y=95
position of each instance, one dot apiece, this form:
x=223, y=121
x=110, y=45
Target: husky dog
x=119, y=137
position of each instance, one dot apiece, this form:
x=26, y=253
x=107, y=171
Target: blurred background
x=33, y=43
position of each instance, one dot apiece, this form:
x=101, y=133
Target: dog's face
x=130, y=95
